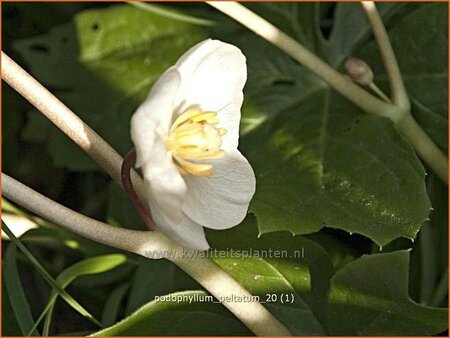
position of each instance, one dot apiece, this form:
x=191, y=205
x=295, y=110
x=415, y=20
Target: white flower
x=186, y=136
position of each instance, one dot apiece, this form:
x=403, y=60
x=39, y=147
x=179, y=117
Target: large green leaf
x=191, y=315
x=422, y=55
x=319, y=160
x=360, y=176
x=102, y=66
x=277, y=267
x=370, y=297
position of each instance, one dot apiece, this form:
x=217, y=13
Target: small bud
x=359, y=71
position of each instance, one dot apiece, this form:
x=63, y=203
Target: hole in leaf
x=95, y=26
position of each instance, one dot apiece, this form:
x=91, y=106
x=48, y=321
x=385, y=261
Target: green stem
x=424, y=146
x=398, y=91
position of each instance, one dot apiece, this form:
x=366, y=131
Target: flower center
x=194, y=136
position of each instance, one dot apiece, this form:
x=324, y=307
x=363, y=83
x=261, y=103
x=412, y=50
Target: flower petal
x=221, y=201
x=229, y=118
x=166, y=192
x=154, y=113
x=165, y=186
x=185, y=231
x=213, y=73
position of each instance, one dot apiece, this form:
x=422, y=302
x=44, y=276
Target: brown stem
x=127, y=164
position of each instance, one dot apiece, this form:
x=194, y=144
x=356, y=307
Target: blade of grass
x=17, y=298
x=69, y=299
x=8, y=316
x=112, y=306
x=171, y=13
x=88, y=266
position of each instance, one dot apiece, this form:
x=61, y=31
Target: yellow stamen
x=194, y=136
x=197, y=169
x=185, y=116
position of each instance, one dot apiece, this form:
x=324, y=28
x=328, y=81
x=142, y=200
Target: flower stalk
x=398, y=92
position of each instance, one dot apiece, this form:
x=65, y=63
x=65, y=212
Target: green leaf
x=318, y=159
x=15, y=292
x=102, y=66
x=298, y=19
x=10, y=325
x=359, y=176
x=277, y=266
x=199, y=316
x=154, y=278
x=370, y=297
x=88, y=266
x=422, y=53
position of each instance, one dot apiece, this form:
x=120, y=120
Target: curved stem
x=127, y=165
x=427, y=150
x=293, y=48
x=152, y=244
x=398, y=92
x=69, y=123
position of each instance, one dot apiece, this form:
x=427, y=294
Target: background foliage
x=347, y=184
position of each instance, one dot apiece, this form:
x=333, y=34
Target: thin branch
x=69, y=123
x=125, y=239
x=293, y=48
x=398, y=92
x=152, y=244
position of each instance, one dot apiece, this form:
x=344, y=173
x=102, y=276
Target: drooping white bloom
x=186, y=136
